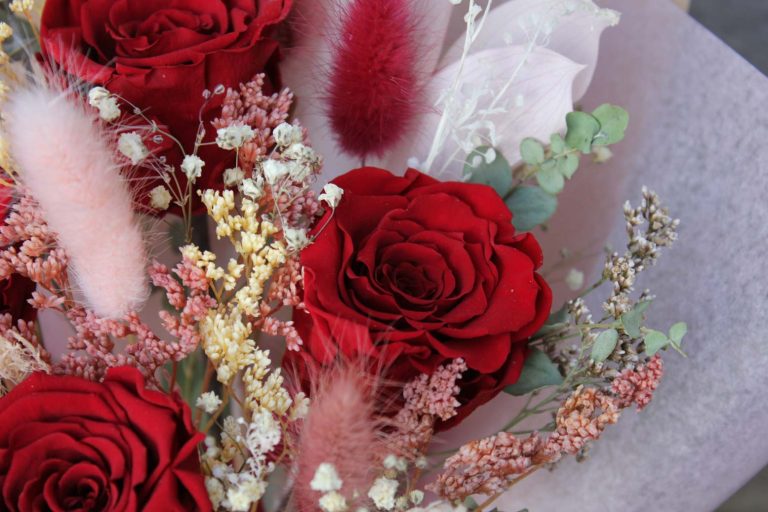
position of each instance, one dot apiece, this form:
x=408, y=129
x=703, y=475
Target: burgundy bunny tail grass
x=340, y=429
x=375, y=87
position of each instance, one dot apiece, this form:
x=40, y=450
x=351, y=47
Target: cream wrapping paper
x=699, y=137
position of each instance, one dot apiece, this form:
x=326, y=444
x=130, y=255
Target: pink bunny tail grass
x=341, y=429
x=67, y=161
x=375, y=87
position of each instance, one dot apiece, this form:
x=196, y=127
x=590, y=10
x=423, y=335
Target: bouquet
x=353, y=214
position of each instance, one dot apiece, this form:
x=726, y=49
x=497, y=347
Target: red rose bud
x=67, y=443
x=410, y=273
x=162, y=55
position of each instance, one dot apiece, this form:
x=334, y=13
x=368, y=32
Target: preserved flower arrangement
x=346, y=314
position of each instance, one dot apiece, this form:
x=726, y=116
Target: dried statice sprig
x=612, y=367
x=643, y=249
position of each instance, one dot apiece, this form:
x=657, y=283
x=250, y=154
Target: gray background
x=743, y=25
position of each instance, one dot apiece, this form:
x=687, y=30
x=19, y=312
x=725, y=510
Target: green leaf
x=555, y=322
x=532, y=151
x=549, y=178
x=677, y=332
x=567, y=165
x=538, y=372
x=633, y=320
x=582, y=128
x=530, y=206
x=557, y=143
x=470, y=503
x=496, y=174
x=613, y=123
x=655, y=341
x=605, y=344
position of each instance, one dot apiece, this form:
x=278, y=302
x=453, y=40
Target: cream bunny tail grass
x=68, y=163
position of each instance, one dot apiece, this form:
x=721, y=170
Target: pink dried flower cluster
x=286, y=285
x=427, y=399
x=487, y=466
x=192, y=305
x=29, y=247
x=637, y=386
x=249, y=106
x=581, y=419
x=491, y=465
x=275, y=327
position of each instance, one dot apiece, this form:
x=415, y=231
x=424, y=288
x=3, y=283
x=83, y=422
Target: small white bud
x=97, y=95
x=601, y=154
x=326, y=479
x=131, y=145
x=296, y=239
x=286, y=134
x=233, y=176
x=159, y=198
x=208, y=402
x=253, y=189
x=574, y=279
x=233, y=137
x=332, y=195
x=192, y=166
x=274, y=171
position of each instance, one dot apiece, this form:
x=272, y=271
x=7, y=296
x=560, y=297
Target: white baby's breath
x=383, y=493
x=131, y=145
x=233, y=137
x=159, y=198
x=286, y=134
x=192, y=165
x=208, y=402
x=326, y=479
x=331, y=195
x=233, y=176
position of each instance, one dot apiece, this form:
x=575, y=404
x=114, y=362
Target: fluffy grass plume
x=67, y=161
x=340, y=429
x=375, y=88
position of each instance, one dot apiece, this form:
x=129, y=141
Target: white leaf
x=571, y=28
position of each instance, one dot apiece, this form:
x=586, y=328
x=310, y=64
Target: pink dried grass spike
x=67, y=161
x=340, y=429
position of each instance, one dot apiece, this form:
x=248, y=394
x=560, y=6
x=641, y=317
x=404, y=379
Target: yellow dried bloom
x=22, y=7
x=266, y=394
x=5, y=31
x=226, y=342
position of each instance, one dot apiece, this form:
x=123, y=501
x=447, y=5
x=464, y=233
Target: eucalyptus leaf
x=677, y=332
x=557, y=143
x=582, y=128
x=532, y=151
x=605, y=345
x=549, y=178
x=655, y=341
x=613, y=123
x=554, y=323
x=633, y=320
x=568, y=165
x=538, y=372
x=530, y=206
x=496, y=174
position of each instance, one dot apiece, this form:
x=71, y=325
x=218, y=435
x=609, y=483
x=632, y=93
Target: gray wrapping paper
x=699, y=137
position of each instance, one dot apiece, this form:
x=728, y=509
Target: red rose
x=162, y=54
x=71, y=444
x=411, y=272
